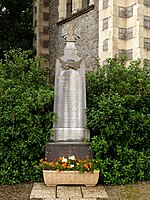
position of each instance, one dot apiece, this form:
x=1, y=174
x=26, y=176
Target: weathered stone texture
x=87, y=45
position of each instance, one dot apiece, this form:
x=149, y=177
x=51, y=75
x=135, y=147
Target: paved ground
x=40, y=191
x=138, y=191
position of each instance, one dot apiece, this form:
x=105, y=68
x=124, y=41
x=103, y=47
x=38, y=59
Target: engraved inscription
x=71, y=106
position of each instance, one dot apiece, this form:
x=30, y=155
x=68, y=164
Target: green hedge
x=118, y=115
x=26, y=115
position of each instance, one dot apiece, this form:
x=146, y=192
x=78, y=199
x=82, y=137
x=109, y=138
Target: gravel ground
x=16, y=192
x=138, y=191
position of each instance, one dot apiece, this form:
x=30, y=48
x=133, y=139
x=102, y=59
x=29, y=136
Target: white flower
x=71, y=166
x=64, y=159
x=71, y=157
x=4, y=9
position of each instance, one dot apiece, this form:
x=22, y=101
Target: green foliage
x=118, y=115
x=26, y=115
x=16, y=25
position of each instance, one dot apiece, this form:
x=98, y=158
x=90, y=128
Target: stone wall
x=87, y=44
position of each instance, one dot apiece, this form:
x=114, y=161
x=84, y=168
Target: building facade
x=106, y=28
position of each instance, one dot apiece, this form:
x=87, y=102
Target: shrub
x=26, y=115
x=118, y=115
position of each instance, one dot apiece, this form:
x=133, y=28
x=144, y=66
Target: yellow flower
x=41, y=160
x=56, y=163
x=86, y=166
x=90, y=164
x=57, y=170
x=51, y=164
x=95, y=171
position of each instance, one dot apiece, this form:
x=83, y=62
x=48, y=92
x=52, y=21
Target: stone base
x=57, y=149
x=70, y=134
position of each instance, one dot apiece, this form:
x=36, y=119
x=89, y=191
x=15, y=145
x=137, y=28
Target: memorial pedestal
x=70, y=134
x=69, y=104
x=59, y=149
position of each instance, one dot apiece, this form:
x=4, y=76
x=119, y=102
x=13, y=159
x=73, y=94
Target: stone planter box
x=53, y=178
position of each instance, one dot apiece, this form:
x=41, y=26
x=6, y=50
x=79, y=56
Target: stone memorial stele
x=69, y=132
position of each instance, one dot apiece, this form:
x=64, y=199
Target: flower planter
x=53, y=178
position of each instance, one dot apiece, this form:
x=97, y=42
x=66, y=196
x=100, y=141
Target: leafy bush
x=26, y=115
x=118, y=115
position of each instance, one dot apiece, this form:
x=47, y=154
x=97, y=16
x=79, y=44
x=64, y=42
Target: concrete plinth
x=57, y=149
x=70, y=134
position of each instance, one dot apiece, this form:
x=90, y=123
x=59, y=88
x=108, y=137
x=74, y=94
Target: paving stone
x=94, y=192
x=83, y=199
x=89, y=199
x=69, y=192
x=41, y=191
x=42, y=186
x=55, y=199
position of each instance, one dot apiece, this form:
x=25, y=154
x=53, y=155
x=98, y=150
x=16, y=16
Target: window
x=105, y=4
x=147, y=3
x=69, y=8
x=128, y=53
x=85, y=3
x=105, y=23
x=105, y=45
x=147, y=43
x=147, y=22
x=126, y=12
